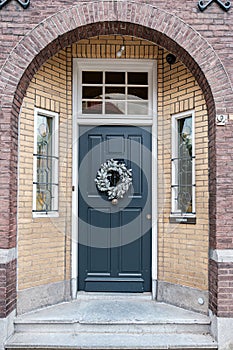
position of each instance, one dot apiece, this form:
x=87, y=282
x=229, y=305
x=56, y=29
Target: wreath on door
x=114, y=178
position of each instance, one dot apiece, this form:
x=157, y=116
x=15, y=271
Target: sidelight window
x=183, y=165
x=45, y=177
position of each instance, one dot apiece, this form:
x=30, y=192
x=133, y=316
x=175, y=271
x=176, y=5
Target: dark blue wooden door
x=114, y=239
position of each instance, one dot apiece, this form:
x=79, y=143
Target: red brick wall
x=202, y=41
x=7, y=288
x=221, y=288
x=225, y=289
x=211, y=24
x=213, y=286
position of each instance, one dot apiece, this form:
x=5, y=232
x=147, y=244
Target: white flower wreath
x=103, y=176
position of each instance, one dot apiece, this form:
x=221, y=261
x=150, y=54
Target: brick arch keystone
x=83, y=21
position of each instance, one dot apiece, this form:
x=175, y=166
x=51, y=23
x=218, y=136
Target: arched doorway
x=141, y=23
x=174, y=97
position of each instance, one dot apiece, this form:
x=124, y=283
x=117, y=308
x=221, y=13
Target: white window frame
x=55, y=146
x=147, y=65
x=175, y=118
x=129, y=65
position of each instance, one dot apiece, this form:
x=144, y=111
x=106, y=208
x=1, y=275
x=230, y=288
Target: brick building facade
x=38, y=47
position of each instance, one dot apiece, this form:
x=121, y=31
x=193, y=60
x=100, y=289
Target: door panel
x=114, y=240
x=98, y=259
x=130, y=255
x=135, y=157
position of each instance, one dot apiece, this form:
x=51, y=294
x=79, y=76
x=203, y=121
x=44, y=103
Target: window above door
x=107, y=88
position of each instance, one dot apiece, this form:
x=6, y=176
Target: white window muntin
x=54, y=117
x=175, y=118
x=126, y=66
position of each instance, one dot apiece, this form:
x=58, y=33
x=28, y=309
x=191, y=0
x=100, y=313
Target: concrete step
x=110, y=341
x=116, y=323
x=197, y=325
x=120, y=316
x=113, y=328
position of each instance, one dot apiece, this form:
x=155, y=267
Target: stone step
x=116, y=323
x=109, y=316
x=110, y=341
x=123, y=329
x=156, y=327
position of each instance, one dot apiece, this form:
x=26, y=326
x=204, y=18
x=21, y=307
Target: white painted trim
x=74, y=247
x=154, y=189
x=7, y=255
x=18, y=192
x=55, y=117
x=221, y=255
x=79, y=119
x=103, y=121
x=174, y=134
x=119, y=65
x=103, y=65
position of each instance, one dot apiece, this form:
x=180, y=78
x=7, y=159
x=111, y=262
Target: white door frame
x=79, y=119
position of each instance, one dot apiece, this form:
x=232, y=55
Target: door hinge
x=73, y=188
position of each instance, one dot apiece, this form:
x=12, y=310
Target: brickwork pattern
x=183, y=252
x=206, y=23
x=8, y=288
x=31, y=49
x=225, y=289
x=44, y=243
x=213, y=282
x=30, y=37
x=106, y=46
x=221, y=288
x=183, y=248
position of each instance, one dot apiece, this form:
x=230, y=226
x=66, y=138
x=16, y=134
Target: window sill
x=49, y=214
x=185, y=219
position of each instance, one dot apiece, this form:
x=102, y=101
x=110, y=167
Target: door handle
x=148, y=216
x=115, y=201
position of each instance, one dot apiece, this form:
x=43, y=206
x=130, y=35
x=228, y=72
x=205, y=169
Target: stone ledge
x=221, y=255
x=7, y=255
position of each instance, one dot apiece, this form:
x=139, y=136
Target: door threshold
x=115, y=295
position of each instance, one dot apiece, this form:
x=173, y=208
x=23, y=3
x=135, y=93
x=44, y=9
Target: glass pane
x=137, y=78
x=92, y=92
x=44, y=169
x=115, y=77
x=115, y=107
x=115, y=93
x=44, y=197
x=92, y=77
x=185, y=165
x=185, y=134
x=45, y=163
x=92, y=107
x=137, y=93
x=44, y=132
x=137, y=108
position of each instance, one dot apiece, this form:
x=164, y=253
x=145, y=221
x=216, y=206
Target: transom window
x=115, y=93
x=115, y=89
